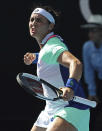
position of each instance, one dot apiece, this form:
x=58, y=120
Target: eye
x=38, y=20
x=31, y=19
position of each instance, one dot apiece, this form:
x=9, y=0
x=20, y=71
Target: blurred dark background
x=19, y=110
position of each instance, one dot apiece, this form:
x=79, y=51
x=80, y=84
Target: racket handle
x=85, y=101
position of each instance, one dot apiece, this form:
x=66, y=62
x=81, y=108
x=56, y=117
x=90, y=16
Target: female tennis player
x=58, y=115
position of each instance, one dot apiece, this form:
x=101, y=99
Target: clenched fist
x=29, y=58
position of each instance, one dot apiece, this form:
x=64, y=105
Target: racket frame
x=55, y=89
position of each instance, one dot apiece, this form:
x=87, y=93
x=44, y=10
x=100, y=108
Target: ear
x=51, y=26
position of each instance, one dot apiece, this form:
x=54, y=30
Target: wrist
x=72, y=83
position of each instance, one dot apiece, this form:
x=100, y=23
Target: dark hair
x=54, y=12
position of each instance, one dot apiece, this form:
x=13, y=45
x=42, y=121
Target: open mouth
x=33, y=30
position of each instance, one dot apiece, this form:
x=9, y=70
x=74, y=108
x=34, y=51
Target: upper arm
x=72, y=63
x=66, y=58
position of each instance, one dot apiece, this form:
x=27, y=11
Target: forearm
x=75, y=69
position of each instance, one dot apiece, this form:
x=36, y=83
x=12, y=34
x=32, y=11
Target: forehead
x=36, y=15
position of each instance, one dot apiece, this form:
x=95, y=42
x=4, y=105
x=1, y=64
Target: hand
x=68, y=93
x=29, y=58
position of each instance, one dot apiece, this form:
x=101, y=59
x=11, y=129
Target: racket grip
x=85, y=101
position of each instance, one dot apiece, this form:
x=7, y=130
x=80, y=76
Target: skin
x=39, y=27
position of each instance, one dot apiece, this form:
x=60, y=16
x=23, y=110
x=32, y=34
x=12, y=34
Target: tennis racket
x=33, y=85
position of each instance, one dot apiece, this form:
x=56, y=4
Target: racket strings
x=36, y=86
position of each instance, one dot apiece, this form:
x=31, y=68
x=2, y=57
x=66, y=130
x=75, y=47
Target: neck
x=41, y=37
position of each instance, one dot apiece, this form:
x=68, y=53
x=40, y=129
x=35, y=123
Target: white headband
x=44, y=13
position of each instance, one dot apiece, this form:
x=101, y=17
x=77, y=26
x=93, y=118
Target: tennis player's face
x=38, y=26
